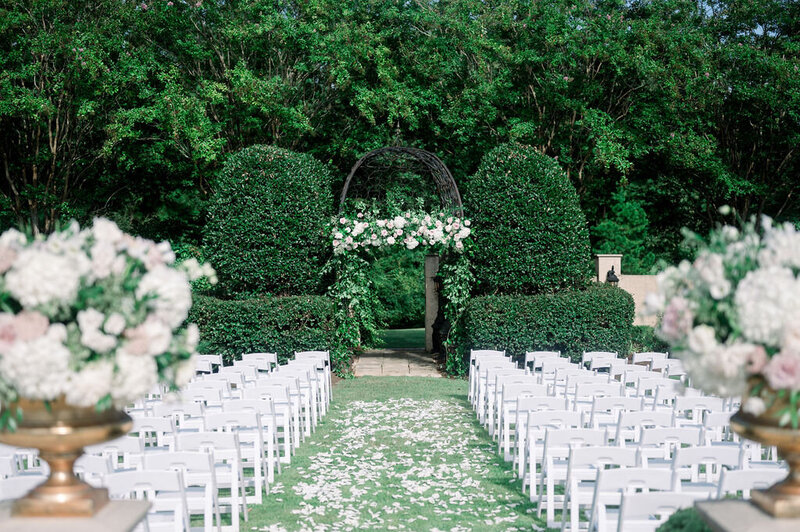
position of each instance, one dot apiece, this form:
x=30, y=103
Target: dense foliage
x=267, y=222
x=129, y=109
x=598, y=318
x=269, y=324
x=399, y=284
x=686, y=520
x=531, y=232
x=644, y=339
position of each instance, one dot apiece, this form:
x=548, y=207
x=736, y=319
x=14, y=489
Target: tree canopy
x=130, y=109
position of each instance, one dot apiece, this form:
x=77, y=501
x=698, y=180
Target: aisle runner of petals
x=386, y=465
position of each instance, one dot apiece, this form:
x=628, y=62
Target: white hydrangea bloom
x=115, y=324
x=90, y=322
x=711, y=270
x=12, y=238
x=39, y=277
x=765, y=300
x=37, y=368
x=173, y=294
x=781, y=247
x=104, y=230
x=90, y=384
x=185, y=371
x=135, y=376
x=716, y=368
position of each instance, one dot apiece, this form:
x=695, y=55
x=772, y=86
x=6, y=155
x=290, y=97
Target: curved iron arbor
x=383, y=161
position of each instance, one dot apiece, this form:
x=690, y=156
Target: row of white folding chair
x=486, y=374
x=579, y=471
x=475, y=357
x=483, y=362
x=652, y=432
x=320, y=373
x=228, y=453
x=499, y=395
x=325, y=357
x=598, y=489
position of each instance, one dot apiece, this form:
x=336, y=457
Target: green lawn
x=403, y=338
x=397, y=453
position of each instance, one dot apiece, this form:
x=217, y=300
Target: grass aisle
x=397, y=453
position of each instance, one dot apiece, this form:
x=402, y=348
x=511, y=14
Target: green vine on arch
x=354, y=239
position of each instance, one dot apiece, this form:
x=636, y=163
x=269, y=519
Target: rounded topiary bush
x=266, y=227
x=530, y=232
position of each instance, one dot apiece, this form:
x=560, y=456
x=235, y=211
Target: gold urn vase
x=60, y=432
x=783, y=498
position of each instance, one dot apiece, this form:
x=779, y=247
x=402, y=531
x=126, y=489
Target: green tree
x=627, y=231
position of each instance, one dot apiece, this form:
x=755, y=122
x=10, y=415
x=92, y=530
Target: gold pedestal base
x=780, y=505
x=60, y=432
x=44, y=502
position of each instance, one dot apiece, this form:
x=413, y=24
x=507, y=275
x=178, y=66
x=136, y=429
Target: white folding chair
x=163, y=489
x=225, y=450
x=17, y=486
x=200, y=482
x=583, y=466
x=557, y=446
x=631, y=424
x=612, y=483
x=697, y=469
x=535, y=358
x=532, y=441
x=736, y=481
x=645, y=512
x=247, y=425
x=588, y=356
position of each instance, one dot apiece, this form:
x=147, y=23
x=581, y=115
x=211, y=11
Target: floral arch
x=355, y=235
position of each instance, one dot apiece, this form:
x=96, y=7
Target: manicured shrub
x=686, y=520
x=266, y=227
x=570, y=321
x=643, y=338
x=530, y=232
x=268, y=324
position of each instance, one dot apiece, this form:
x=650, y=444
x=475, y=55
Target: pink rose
x=8, y=333
x=7, y=258
x=783, y=371
x=677, y=320
x=756, y=360
x=30, y=325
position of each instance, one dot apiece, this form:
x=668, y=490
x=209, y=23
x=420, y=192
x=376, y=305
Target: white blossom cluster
x=735, y=311
x=407, y=229
x=94, y=315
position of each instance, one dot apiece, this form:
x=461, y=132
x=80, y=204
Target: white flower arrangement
x=733, y=316
x=94, y=315
x=409, y=229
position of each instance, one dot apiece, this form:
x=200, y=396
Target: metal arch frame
x=445, y=184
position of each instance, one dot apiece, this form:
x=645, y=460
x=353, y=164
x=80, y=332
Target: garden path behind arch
x=397, y=453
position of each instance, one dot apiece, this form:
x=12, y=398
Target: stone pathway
x=396, y=363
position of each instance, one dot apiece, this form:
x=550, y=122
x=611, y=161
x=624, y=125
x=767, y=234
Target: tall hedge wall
x=266, y=227
x=530, y=232
x=571, y=321
x=272, y=324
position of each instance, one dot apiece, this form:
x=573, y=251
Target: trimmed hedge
x=267, y=220
x=571, y=321
x=269, y=324
x=643, y=338
x=686, y=520
x=530, y=232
